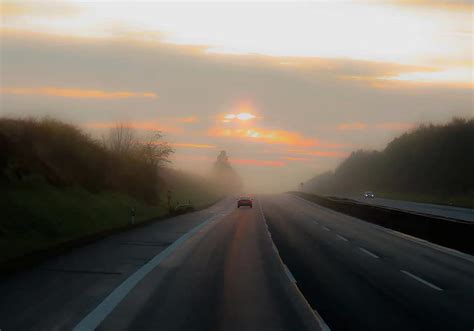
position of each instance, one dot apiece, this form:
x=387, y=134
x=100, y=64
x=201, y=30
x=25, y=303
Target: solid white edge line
x=421, y=280
x=317, y=317
x=341, y=237
x=419, y=241
x=368, y=252
x=92, y=320
x=289, y=274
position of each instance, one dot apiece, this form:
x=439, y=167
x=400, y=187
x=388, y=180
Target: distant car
x=369, y=195
x=244, y=201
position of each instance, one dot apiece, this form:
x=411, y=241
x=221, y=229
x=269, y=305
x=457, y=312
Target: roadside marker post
x=132, y=216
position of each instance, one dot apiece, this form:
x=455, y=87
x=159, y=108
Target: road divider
x=451, y=233
x=319, y=320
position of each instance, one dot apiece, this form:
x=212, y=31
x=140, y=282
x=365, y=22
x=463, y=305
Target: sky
x=288, y=89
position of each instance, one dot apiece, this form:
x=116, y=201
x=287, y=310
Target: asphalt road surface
x=223, y=269
x=360, y=276
x=224, y=274
x=465, y=214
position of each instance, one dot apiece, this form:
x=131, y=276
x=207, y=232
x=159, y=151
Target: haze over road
x=226, y=275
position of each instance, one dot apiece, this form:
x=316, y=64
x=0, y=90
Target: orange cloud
x=457, y=5
x=147, y=126
x=395, y=126
x=290, y=158
x=351, y=126
x=44, y=9
x=259, y=163
x=74, y=93
x=263, y=135
x=186, y=145
x=411, y=85
x=189, y=119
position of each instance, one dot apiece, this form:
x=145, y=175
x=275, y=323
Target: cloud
x=390, y=126
x=457, y=5
x=192, y=145
x=351, y=126
x=264, y=135
x=395, y=126
x=292, y=158
x=188, y=119
x=74, y=93
x=139, y=125
x=49, y=9
x=277, y=137
x=301, y=106
x=411, y=86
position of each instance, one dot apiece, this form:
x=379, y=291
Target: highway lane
x=465, y=214
x=57, y=293
x=360, y=277
x=225, y=276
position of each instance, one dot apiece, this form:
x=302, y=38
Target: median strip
x=319, y=320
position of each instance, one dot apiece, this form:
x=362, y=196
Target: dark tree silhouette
x=226, y=177
x=432, y=160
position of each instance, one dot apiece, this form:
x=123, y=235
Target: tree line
x=63, y=155
x=436, y=160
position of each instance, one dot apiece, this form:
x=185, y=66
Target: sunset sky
x=288, y=89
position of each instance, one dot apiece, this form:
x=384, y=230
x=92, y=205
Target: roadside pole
x=132, y=216
x=168, y=196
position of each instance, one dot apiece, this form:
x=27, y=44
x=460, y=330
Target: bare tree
x=124, y=140
x=154, y=151
x=121, y=139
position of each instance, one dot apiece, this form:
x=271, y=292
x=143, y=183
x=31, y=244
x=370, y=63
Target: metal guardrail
x=452, y=233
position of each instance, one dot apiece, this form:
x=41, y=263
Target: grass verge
x=40, y=217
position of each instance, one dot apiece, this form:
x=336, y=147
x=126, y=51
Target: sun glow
x=239, y=116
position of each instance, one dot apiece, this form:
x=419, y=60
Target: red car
x=244, y=201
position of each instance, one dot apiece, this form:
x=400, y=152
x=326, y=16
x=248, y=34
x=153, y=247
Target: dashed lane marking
x=421, y=280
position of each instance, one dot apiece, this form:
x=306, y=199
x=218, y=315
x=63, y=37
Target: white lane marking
x=324, y=326
x=369, y=252
x=316, y=222
x=421, y=280
x=317, y=317
x=341, y=237
x=289, y=274
x=95, y=317
x=326, y=228
x=419, y=241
